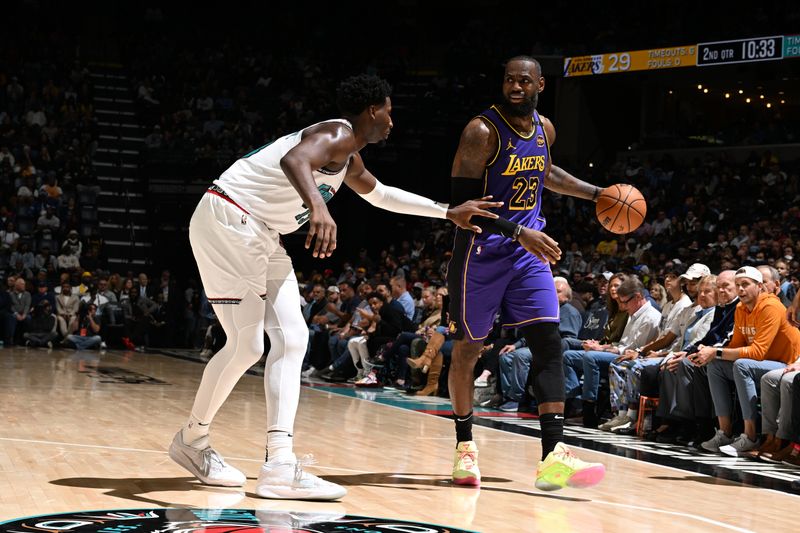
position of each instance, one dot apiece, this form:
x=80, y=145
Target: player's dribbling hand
x=322, y=226
x=462, y=214
x=540, y=245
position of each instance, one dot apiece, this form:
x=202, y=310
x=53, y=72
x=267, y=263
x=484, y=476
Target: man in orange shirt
x=763, y=340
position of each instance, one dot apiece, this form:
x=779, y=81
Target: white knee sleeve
x=243, y=325
x=288, y=337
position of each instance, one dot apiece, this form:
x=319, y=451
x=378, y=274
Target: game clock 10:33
x=740, y=51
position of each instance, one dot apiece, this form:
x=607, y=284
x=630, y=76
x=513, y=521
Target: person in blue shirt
x=401, y=294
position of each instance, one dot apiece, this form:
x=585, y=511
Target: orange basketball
x=621, y=208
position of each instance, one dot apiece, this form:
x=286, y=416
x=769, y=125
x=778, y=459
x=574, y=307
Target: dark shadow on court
x=409, y=481
x=135, y=488
x=699, y=479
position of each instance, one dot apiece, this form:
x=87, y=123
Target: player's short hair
x=356, y=93
x=525, y=58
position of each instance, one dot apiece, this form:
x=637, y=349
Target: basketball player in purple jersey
x=505, y=152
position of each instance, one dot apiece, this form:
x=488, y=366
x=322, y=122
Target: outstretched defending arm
x=399, y=201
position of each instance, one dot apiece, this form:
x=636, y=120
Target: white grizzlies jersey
x=258, y=184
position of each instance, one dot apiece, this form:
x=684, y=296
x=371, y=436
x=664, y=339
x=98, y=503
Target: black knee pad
x=546, y=375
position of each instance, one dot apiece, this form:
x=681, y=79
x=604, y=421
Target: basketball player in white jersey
x=250, y=281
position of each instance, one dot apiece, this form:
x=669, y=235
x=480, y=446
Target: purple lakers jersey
x=516, y=174
x=488, y=274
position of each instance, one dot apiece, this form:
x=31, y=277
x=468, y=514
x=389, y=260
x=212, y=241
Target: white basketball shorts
x=232, y=249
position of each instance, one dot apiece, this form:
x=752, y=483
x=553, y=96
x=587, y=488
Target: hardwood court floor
x=89, y=431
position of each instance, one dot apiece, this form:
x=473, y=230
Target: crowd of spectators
x=696, y=307
x=718, y=347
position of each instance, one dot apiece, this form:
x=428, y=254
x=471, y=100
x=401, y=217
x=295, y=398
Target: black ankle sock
x=463, y=427
x=552, y=431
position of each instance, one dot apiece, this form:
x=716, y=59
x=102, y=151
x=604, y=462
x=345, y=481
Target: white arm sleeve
x=400, y=201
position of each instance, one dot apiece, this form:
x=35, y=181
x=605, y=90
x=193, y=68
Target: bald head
x=726, y=287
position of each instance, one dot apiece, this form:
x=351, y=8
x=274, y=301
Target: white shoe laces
x=565, y=453
x=210, y=457
x=306, y=460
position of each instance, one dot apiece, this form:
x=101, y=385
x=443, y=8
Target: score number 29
x=619, y=62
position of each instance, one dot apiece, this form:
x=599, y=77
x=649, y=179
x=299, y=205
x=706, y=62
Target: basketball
x=621, y=208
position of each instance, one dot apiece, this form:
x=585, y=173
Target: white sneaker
x=103, y=345
x=714, y=443
x=625, y=423
x=740, y=444
x=206, y=465
x=284, y=478
x=306, y=374
x=614, y=422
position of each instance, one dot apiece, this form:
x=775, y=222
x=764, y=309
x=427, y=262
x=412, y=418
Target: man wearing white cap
x=691, y=278
x=763, y=340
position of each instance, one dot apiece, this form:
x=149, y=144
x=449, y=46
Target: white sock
x=195, y=433
x=633, y=414
x=623, y=412
x=279, y=445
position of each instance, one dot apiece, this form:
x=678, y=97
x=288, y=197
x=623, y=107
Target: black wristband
x=596, y=193
x=499, y=226
x=463, y=189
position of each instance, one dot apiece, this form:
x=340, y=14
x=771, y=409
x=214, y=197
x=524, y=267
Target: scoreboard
x=657, y=58
x=740, y=51
x=700, y=55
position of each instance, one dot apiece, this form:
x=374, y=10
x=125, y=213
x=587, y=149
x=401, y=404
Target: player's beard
x=525, y=109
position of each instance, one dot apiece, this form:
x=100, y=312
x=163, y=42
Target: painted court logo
x=214, y=521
